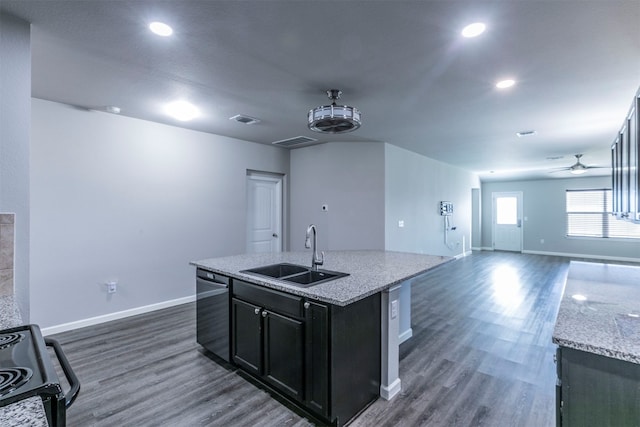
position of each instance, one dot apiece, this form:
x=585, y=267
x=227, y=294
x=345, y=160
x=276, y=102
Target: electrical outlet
x=112, y=287
x=394, y=309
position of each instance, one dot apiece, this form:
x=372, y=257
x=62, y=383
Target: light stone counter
x=29, y=412
x=370, y=272
x=607, y=322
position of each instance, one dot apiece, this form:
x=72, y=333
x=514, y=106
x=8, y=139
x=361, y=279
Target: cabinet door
x=247, y=331
x=284, y=353
x=317, y=357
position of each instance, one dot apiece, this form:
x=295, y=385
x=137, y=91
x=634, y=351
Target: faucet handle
x=321, y=259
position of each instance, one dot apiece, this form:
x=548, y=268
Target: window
x=589, y=215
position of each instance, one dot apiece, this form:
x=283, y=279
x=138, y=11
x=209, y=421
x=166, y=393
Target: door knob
x=275, y=234
x=264, y=314
x=256, y=311
x=307, y=305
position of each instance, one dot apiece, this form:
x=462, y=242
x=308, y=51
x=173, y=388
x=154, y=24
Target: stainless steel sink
x=296, y=275
x=278, y=270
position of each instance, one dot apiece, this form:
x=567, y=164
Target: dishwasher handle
x=71, y=395
x=211, y=277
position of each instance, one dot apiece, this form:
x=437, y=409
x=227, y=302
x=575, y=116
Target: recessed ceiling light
x=579, y=297
x=503, y=84
x=112, y=109
x=182, y=110
x=161, y=29
x=473, y=30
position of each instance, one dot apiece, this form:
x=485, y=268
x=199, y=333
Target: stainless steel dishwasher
x=212, y=312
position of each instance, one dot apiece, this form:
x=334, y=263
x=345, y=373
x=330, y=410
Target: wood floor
x=481, y=355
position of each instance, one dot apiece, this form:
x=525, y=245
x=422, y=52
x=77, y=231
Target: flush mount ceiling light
x=503, y=84
x=161, y=29
x=182, y=110
x=473, y=30
x=334, y=118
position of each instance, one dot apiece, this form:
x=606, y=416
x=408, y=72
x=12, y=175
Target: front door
x=507, y=221
x=264, y=213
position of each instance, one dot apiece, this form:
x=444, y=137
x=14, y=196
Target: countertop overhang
x=600, y=310
x=369, y=271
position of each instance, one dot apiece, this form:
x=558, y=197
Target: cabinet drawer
x=280, y=302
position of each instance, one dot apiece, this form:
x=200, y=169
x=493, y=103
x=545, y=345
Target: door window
x=506, y=210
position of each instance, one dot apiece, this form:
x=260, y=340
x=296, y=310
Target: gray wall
x=368, y=188
x=414, y=187
x=15, y=122
x=349, y=178
x=544, y=209
x=115, y=198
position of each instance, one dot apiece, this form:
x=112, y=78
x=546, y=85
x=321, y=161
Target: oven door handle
x=68, y=372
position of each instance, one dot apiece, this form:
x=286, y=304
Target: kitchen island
x=598, y=334
x=375, y=277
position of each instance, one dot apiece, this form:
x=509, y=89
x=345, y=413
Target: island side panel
x=355, y=357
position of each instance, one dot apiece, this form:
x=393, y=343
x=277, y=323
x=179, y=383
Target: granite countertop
x=600, y=310
x=369, y=271
x=29, y=412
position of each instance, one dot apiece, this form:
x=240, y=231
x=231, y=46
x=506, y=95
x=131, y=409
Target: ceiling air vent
x=247, y=120
x=293, y=142
x=525, y=133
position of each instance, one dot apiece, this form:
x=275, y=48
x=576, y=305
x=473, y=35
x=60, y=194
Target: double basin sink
x=296, y=275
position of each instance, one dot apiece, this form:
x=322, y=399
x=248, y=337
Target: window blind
x=589, y=215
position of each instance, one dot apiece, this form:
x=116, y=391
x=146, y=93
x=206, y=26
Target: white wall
x=15, y=119
x=120, y=198
x=414, y=187
x=349, y=178
x=544, y=206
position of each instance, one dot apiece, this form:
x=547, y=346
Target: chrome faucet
x=315, y=260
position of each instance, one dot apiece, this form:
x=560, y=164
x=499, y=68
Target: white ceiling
x=417, y=82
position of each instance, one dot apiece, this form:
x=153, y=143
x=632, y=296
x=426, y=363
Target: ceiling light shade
x=334, y=118
x=473, y=30
x=182, y=110
x=503, y=84
x=161, y=29
x=578, y=170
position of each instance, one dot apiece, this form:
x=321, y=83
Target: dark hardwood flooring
x=481, y=355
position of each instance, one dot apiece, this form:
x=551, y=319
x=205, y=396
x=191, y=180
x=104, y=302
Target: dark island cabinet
x=247, y=336
x=283, y=339
x=268, y=336
x=323, y=359
x=595, y=390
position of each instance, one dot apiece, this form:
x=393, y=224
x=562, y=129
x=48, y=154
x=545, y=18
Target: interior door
x=507, y=221
x=264, y=213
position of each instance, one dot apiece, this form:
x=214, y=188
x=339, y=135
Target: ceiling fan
x=578, y=167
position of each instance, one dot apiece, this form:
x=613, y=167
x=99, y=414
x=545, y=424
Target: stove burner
x=12, y=378
x=7, y=340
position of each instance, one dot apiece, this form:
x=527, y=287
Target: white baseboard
x=115, y=316
x=405, y=336
x=601, y=257
x=486, y=248
x=388, y=392
x=476, y=249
